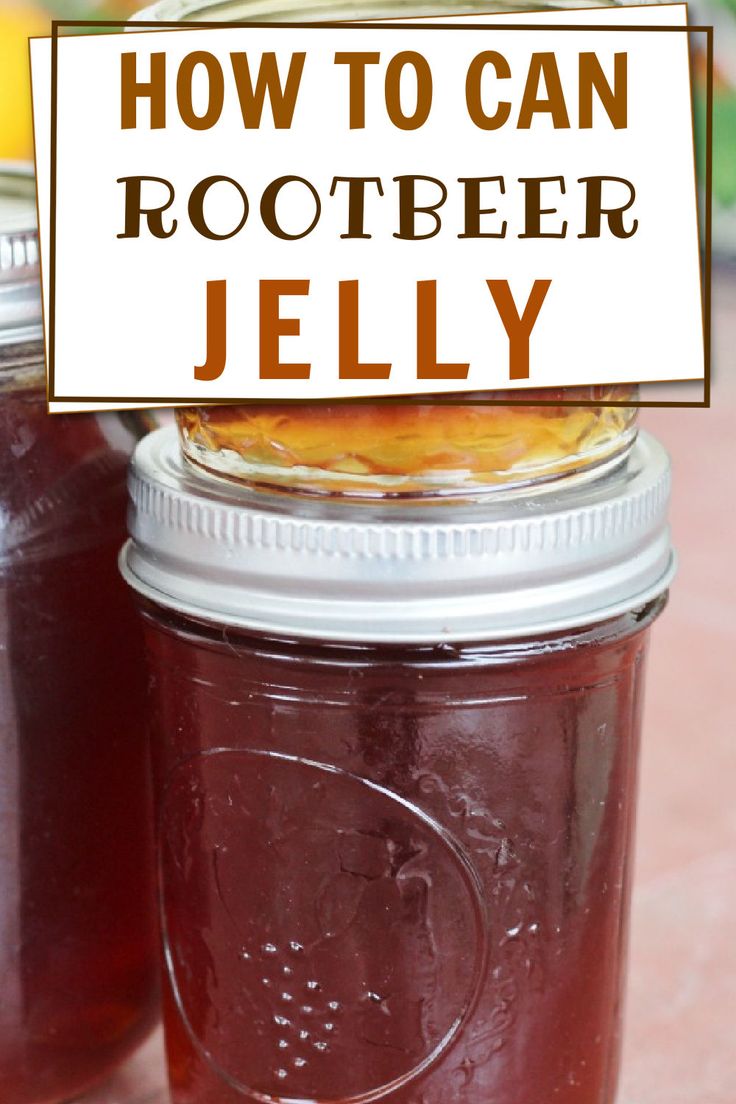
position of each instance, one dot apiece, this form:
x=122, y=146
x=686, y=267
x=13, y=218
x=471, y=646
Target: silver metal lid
x=20, y=290
x=517, y=565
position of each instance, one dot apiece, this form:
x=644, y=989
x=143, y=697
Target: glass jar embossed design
x=409, y=889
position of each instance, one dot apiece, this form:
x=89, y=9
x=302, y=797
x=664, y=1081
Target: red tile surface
x=681, y=1042
x=680, y=1039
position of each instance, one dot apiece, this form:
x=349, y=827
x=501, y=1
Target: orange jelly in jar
x=414, y=449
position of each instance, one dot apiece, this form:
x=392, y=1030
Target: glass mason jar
x=400, y=449
x=395, y=754
x=77, y=924
x=411, y=449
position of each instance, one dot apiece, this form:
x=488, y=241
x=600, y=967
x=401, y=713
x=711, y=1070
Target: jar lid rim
x=20, y=291
x=537, y=563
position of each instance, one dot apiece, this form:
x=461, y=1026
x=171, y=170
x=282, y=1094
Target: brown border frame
x=706, y=267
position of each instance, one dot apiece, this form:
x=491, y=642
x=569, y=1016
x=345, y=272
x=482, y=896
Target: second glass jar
x=409, y=449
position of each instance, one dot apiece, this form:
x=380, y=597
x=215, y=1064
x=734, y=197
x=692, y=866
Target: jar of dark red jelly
x=77, y=939
x=395, y=759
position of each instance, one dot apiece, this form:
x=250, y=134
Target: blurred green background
x=20, y=19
